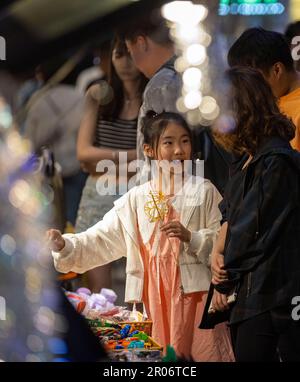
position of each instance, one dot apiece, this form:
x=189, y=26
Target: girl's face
x=125, y=68
x=174, y=144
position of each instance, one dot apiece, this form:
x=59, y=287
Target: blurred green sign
x=250, y=7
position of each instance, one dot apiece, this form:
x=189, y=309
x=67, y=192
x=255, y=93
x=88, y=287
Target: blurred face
x=275, y=78
x=138, y=53
x=124, y=66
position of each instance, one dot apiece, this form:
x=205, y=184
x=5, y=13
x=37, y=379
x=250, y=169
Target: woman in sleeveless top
x=108, y=128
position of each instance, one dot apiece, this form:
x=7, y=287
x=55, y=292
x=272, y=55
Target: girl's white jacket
x=117, y=235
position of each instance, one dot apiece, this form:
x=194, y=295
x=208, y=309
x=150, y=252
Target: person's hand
x=55, y=240
x=217, y=268
x=176, y=229
x=88, y=167
x=84, y=167
x=219, y=301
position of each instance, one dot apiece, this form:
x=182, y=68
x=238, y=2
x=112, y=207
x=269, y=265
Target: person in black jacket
x=259, y=239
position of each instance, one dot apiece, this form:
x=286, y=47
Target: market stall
x=125, y=334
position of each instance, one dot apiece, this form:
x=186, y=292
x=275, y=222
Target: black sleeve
x=236, y=164
x=223, y=209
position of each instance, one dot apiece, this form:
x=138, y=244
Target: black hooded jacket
x=262, y=248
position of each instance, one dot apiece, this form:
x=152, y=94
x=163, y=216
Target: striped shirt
x=116, y=133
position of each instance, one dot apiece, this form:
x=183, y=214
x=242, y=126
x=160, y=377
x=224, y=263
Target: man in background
x=268, y=52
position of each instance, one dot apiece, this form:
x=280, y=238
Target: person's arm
x=219, y=300
x=86, y=151
x=217, y=256
x=99, y=245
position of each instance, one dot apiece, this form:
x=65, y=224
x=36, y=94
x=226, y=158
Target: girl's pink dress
x=176, y=316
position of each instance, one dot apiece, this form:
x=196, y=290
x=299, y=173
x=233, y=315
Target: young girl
x=167, y=238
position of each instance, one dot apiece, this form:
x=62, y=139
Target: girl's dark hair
x=113, y=108
x=154, y=125
x=256, y=113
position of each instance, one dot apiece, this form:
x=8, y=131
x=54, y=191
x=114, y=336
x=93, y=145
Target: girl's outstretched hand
x=176, y=229
x=55, y=240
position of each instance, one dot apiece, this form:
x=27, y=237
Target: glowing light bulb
x=184, y=12
x=208, y=105
x=181, y=64
x=8, y=244
x=187, y=33
x=209, y=108
x=181, y=106
x=195, y=54
x=193, y=99
x=192, y=78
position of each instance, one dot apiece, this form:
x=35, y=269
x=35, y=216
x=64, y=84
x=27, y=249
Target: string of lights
x=191, y=41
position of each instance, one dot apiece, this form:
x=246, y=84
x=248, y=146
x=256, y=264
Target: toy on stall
x=102, y=302
x=86, y=302
x=84, y=291
x=126, y=337
x=77, y=301
x=136, y=344
x=125, y=331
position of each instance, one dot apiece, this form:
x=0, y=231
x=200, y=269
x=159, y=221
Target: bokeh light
x=8, y=244
x=191, y=41
x=193, y=99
